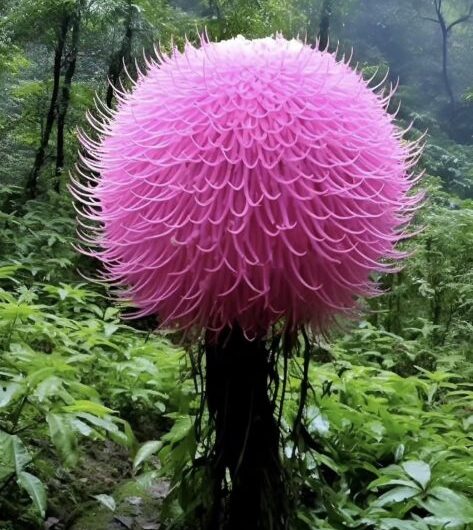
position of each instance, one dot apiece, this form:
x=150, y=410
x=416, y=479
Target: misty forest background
x=97, y=415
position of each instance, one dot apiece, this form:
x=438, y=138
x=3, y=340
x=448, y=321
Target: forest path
x=102, y=494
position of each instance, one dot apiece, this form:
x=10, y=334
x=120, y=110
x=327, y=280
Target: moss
x=94, y=519
x=136, y=506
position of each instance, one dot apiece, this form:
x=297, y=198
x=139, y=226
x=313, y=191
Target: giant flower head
x=247, y=182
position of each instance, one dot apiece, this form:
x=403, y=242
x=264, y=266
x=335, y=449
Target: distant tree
x=324, y=27
x=58, y=17
x=52, y=25
x=121, y=58
x=145, y=23
x=69, y=68
x=253, y=19
x=446, y=29
x=320, y=18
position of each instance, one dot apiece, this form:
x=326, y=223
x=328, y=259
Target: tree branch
x=464, y=18
x=430, y=19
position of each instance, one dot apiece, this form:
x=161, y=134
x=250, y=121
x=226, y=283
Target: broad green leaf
x=396, y=495
x=145, y=451
x=378, y=429
x=419, y=471
x=109, y=329
x=387, y=481
x=107, y=500
x=103, y=423
x=7, y=272
x=399, y=453
x=36, y=377
x=63, y=437
x=49, y=387
x=84, y=405
x=81, y=427
x=399, y=524
x=8, y=392
x=35, y=489
x=317, y=422
x=180, y=429
x=448, y=508
x=14, y=456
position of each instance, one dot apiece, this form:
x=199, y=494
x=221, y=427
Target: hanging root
x=240, y=374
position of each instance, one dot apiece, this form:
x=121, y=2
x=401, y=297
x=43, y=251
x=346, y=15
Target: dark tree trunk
x=31, y=186
x=64, y=100
x=324, y=28
x=445, y=75
x=121, y=57
x=247, y=435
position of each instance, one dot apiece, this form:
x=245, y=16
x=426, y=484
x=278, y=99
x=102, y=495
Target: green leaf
x=399, y=453
x=396, y=495
x=103, y=423
x=448, y=508
x=145, y=451
x=63, y=437
x=49, y=387
x=81, y=427
x=35, y=489
x=8, y=392
x=7, y=272
x=109, y=329
x=84, y=405
x=399, y=524
x=386, y=481
x=13, y=454
x=419, y=471
x=317, y=422
x=107, y=500
x=180, y=429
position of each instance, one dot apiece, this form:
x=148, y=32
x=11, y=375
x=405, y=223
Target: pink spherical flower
x=247, y=182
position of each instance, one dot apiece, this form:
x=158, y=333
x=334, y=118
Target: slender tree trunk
x=64, y=100
x=324, y=27
x=446, y=30
x=31, y=186
x=445, y=74
x=247, y=435
x=121, y=57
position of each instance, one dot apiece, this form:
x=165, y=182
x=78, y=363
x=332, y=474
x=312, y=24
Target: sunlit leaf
x=63, y=437
x=107, y=500
x=396, y=495
x=9, y=392
x=14, y=456
x=145, y=451
x=35, y=489
x=419, y=471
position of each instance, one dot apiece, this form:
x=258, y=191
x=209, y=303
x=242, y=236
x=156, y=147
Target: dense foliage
x=97, y=414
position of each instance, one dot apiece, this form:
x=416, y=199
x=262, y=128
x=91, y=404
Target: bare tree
x=446, y=29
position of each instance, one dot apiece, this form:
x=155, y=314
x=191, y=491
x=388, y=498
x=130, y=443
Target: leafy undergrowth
x=385, y=451
x=97, y=417
x=73, y=377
